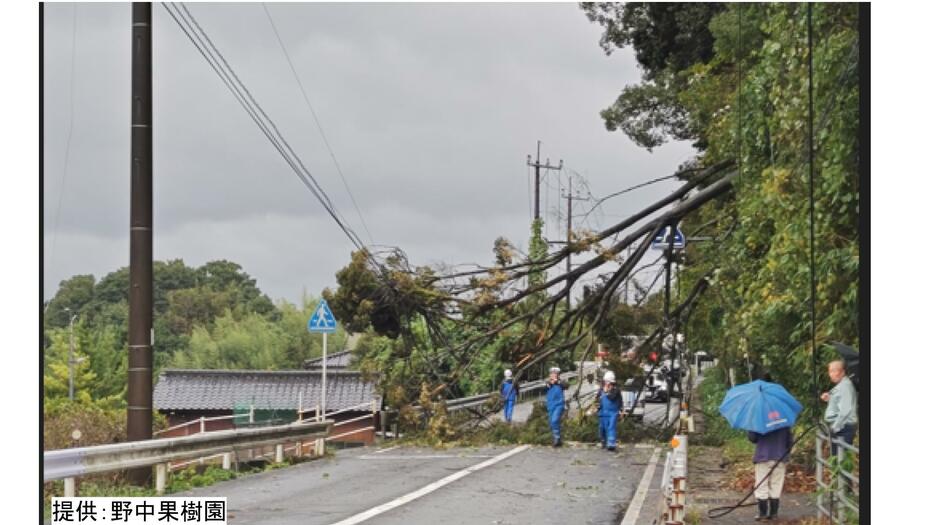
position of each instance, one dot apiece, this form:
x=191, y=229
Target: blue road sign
x=322, y=320
x=663, y=239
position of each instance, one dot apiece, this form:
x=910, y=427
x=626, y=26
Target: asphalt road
x=571, y=485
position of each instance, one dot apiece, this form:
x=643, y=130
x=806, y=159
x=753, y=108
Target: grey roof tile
x=335, y=360
x=273, y=389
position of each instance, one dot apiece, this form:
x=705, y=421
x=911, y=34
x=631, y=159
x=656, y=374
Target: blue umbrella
x=760, y=406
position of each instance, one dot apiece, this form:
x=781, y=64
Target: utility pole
x=570, y=232
x=626, y=282
x=538, y=165
x=139, y=372
x=669, y=251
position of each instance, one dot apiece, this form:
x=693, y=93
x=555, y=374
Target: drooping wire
x=71, y=125
x=811, y=202
x=314, y=116
x=188, y=24
x=322, y=195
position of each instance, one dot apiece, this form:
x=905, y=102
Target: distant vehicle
x=656, y=387
x=630, y=390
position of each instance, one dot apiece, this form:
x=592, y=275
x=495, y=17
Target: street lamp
x=71, y=355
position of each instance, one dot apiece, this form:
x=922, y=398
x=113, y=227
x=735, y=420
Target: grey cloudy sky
x=431, y=110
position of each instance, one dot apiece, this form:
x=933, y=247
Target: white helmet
x=507, y=373
x=609, y=377
x=555, y=370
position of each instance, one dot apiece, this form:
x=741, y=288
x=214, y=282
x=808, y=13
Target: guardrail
x=71, y=463
x=525, y=389
x=674, y=482
x=842, y=485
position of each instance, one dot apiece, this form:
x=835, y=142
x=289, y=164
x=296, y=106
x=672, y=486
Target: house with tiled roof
x=256, y=397
x=336, y=361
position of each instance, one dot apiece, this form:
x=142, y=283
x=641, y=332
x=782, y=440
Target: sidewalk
x=708, y=478
x=706, y=481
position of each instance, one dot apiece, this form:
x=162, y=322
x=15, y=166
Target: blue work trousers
x=507, y=410
x=608, y=430
x=554, y=419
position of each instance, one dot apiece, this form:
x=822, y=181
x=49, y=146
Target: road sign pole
x=324, y=372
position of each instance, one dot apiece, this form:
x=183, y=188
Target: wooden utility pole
x=139, y=372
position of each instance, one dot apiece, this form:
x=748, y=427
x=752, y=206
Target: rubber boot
x=763, y=510
x=773, y=508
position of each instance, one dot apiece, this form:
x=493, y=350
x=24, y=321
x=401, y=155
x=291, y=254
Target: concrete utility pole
x=570, y=230
x=139, y=372
x=538, y=165
x=626, y=282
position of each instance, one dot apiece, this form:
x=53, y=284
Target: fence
x=841, y=491
x=68, y=464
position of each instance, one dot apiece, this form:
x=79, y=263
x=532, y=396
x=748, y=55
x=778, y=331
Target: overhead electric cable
x=222, y=68
x=71, y=124
x=314, y=116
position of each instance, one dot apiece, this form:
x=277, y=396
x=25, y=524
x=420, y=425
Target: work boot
x=611, y=449
x=557, y=443
x=773, y=507
x=763, y=510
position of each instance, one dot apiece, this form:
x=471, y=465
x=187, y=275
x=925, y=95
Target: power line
x=71, y=124
x=314, y=115
x=222, y=68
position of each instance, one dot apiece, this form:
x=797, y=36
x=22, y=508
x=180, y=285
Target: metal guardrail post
x=820, y=475
x=280, y=453
x=251, y=414
x=161, y=470
x=319, y=443
x=70, y=487
x=840, y=484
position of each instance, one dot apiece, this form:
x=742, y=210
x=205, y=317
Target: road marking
x=427, y=489
x=426, y=457
x=635, y=506
x=385, y=450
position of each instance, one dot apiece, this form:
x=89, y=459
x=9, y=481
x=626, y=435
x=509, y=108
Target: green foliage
x=711, y=392
x=667, y=38
x=100, y=422
x=763, y=285
x=744, y=97
x=537, y=251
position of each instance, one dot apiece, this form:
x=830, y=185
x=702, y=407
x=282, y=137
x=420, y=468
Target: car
x=656, y=387
x=630, y=391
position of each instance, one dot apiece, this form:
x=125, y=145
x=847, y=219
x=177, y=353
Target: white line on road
x=632, y=513
x=414, y=456
x=385, y=450
x=427, y=489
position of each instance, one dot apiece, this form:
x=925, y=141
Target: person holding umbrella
x=767, y=412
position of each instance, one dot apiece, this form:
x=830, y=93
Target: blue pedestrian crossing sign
x=663, y=239
x=322, y=320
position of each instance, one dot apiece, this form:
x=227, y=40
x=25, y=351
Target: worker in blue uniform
x=509, y=393
x=611, y=402
x=554, y=401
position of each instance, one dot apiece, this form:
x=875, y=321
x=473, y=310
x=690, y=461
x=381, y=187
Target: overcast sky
x=431, y=111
